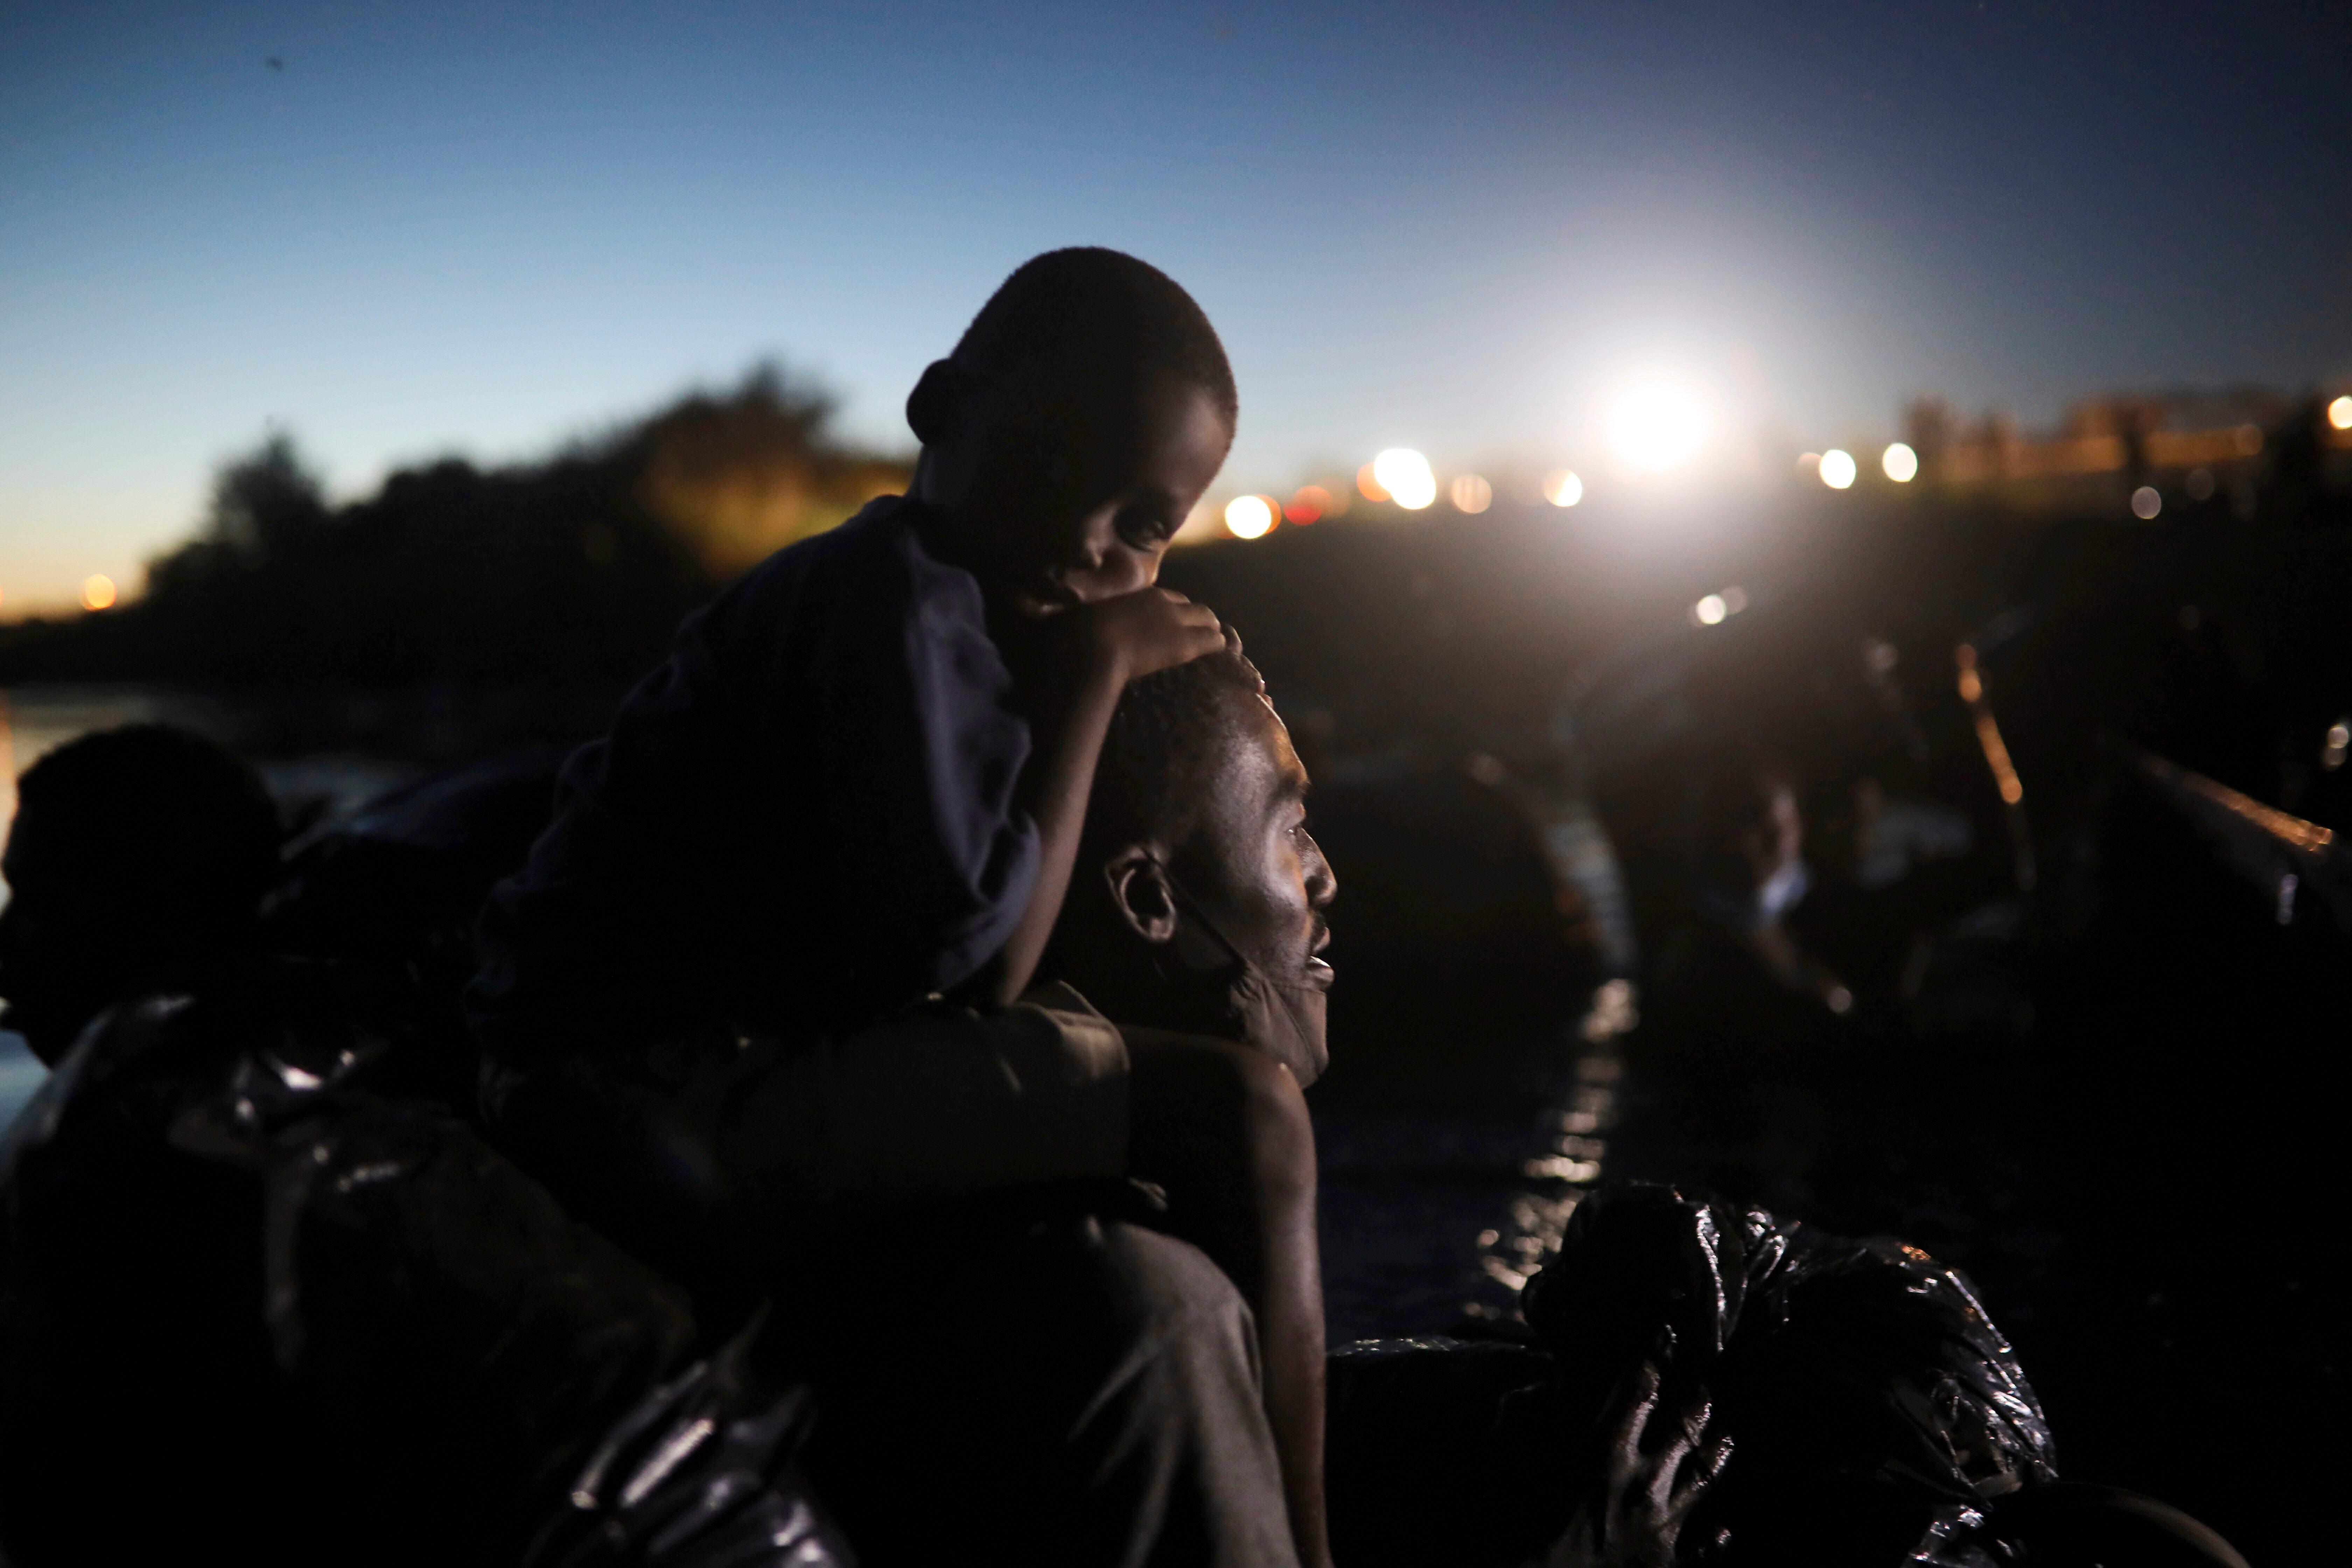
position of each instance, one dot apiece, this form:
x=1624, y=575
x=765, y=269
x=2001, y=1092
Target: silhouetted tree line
x=571, y=570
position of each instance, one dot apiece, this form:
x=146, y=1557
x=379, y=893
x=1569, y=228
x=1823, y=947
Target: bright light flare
x=1900, y=462
x=1470, y=493
x=1658, y=425
x=1249, y=517
x=1310, y=503
x=97, y=591
x=1837, y=468
x=1716, y=609
x=2146, y=503
x=1368, y=484
x=1562, y=488
x=2339, y=412
x=1404, y=474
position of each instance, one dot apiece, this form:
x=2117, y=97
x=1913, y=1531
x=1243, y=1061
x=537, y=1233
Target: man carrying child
x=760, y=986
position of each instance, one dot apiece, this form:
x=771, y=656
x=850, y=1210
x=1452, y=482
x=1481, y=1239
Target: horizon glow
x=433, y=228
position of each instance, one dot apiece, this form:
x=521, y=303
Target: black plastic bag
x=244, y=1302
x=1876, y=1412
x=1875, y=1408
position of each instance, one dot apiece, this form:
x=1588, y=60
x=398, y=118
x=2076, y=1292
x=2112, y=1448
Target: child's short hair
x=1087, y=304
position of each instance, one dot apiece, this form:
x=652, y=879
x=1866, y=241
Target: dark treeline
x=573, y=571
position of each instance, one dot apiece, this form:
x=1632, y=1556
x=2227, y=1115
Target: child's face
x=1066, y=495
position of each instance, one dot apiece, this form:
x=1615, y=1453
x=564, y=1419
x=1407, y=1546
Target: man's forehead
x=1267, y=750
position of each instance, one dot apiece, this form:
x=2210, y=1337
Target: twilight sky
x=487, y=227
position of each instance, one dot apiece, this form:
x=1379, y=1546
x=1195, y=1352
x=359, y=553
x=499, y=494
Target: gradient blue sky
x=487, y=227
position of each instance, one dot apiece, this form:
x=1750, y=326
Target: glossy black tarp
x=246, y=1300
x=1876, y=1409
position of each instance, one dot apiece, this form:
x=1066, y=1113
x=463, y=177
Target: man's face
x=1255, y=872
x=1063, y=495
x=64, y=943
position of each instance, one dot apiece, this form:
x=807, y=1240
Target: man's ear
x=1139, y=890
x=932, y=406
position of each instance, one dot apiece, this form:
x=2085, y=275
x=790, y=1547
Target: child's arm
x=1108, y=643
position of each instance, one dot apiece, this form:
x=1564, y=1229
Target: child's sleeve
x=921, y=756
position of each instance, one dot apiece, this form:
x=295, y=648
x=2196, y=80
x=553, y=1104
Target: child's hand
x=1149, y=630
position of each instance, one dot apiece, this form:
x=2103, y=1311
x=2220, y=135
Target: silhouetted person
x=256, y=1303
x=856, y=788
x=129, y=1283
x=136, y=865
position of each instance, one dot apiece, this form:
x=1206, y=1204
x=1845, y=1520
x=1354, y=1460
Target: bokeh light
x=1308, y=503
x=1837, y=468
x=2146, y=503
x=1900, y=462
x=2339, y=412
x=1658, y=425
x=1716, y=609
x=1404, y=474
x=1562, y=488
x=1369, y=484
x=1248, y=517
x=97, y=591
x=1470, y=493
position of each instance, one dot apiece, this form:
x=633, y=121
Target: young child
x=857, y=786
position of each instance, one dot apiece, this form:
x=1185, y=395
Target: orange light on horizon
x=1310, y=503
x=97, y=591
x=2339, y=412
x=1562, y=488
x=1369, y=483
x=1470, y=493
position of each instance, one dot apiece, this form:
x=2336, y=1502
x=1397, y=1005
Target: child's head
x=1075, y=424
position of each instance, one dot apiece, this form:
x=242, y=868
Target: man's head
x=137, y=861
x=1074, y=427
x=1199, y=896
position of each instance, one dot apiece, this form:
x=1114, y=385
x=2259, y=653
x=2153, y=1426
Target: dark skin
x=1220, y=1123
x=1059, y=492
x=76, y=936
x=1223, y=1127
x=1632, y=1513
